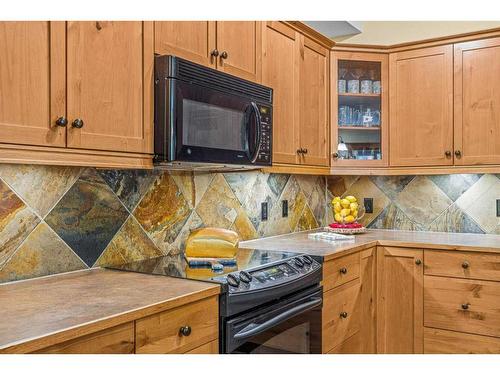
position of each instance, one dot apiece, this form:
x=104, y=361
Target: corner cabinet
x=233, y=47
x=359, y=113
x=296, y=67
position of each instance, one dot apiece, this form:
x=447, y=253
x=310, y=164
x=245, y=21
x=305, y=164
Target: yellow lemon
x=351, y=199
x=345, y=203
x=354, y=213
x=349, y=219
x=345, y=212
x=337, y=207
x=338, y=218
x=353, y=206
x=336, y=200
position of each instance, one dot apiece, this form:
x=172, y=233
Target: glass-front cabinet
x=359, y=109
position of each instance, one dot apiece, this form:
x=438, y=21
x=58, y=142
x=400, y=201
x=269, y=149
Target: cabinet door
x=240, y=44
x=32, y=83
x=190, y=40
x=368, y=299
x=477, y=99
x=400, y=300
x=421, y=112
x=314, y=108
x=280, y=70
x=110, y=88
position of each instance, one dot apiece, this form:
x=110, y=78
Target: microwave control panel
x=266, y=134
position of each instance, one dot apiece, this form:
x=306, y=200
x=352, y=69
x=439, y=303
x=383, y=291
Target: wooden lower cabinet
x=161, y=333
x=399, y=300
x=340, y=271
x=438, y=341
x=368, y=302
x=211, y=347
x=115, y=340
x=353, y=345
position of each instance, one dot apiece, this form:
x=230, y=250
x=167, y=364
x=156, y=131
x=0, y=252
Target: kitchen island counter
x=46, y=311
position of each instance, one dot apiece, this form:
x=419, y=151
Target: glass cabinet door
x=359, y=109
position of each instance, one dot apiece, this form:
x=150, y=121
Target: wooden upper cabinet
x=313, y=103
x=477, y=102
x=110, y=88
x=421, y=107
x=280, y=70
x=239, y=44
x=32, y=83
x=400, y=292
x=190, y=40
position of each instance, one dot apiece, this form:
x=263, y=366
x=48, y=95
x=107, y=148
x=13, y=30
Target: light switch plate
x=284, y=208
x=368, y=203
x=498, y=207
x=263, y=211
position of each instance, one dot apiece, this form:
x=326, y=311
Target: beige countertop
x=41, y=312
x=300, y=242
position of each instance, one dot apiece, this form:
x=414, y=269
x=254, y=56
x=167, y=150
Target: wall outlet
x=263, y=211
x=284, y=208
x=498, y=207
x=368, y=203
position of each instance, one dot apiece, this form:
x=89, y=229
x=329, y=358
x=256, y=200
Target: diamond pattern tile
x=454, y=185
x=393, y=218
x=392, y=185
x=88, y=216
x=453, y=219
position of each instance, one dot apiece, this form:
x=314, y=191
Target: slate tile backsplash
x=59, y=219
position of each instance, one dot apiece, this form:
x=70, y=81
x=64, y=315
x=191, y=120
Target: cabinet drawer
x=160, y=333
x=211, y=347
x=350, y=346
x=340, y=271
x=340, y=314
x=469, y=306
x=437, y=341
x=468, y=265
x=115, y=340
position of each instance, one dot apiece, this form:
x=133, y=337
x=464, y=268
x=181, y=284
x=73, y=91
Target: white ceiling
x=334, y=29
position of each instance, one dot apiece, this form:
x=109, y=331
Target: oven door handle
x=253, y=329
x=258, y=129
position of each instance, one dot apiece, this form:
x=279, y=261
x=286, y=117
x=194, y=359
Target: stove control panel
x=271, y=275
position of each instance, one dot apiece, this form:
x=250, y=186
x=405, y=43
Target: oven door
x=292, y=325
x=213, y=126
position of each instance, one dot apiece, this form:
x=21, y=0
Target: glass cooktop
x=177, y=266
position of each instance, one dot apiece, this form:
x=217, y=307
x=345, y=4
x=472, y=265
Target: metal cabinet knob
x=447, y=153
x=335, y=155
x=343, y=270
x=418, y=262
x=343, y=314
x=77, y=123
x=224, y=55
x=458, y=153
x=305, y=151
x=215, y=53
x=62, y=121
x=465, y=265
x=465, y=306
x=185, y=331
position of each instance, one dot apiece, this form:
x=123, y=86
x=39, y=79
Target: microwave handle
x=258, y=126
x=252, y=329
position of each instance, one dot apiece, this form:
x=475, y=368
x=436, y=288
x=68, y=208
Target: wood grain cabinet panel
x=116, y=340
x=280, y=70
x=421, y=107
x=438, y=341
x=368, y=302
x=468, y=265
x=32, y=83
x=353, y=345
x=242, y=42
x=399, y=300
x=341, y=270
x=314, y=103
x=109, y=73
x=469, y=306
x=211, y=347
x=477, y=102
x=190, y=40
x=160, y=333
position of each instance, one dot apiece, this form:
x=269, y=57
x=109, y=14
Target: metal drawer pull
x=343, y=314
x=465, y=265
x=343, y=270
x=185, y=331
x=465, y=306
x=418, y=262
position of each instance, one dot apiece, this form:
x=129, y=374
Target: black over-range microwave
x=205, y=118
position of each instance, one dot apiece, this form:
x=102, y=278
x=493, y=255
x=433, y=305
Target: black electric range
x=265, y=296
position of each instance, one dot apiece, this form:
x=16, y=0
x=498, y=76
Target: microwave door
x=254, y=134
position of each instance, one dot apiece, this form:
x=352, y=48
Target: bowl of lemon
x=346, y=213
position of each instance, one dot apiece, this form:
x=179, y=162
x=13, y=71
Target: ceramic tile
x=16, y=220
x=129, y=244
x=422, y=201
x=277, y=182
x=241, y=183
x=453, y=219
x=43, y=253
x=393, y=218
x=317, y=202
x=306, y=183
x=454, y=185
x=163, y=211
x=88, y=216
x=307, y=220
x=202, y=181
x=185, y=183
x=128, y=185
x=258, y=193
x=338, y=185
x=365, y=188
x=193, y=222
x=479, y=202
x=244, y=227
x=39, y=186
x=392, y=185
x=329, y=218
